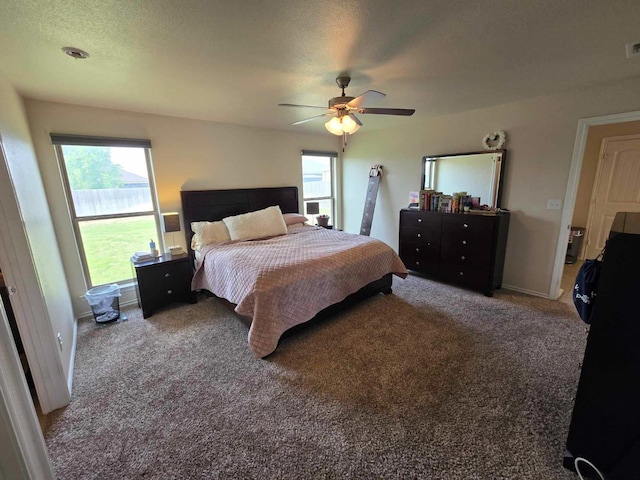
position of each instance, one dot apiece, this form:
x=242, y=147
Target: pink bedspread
x=286, y=280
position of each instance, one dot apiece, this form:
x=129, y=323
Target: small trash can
x=105, y=303
x=575, y=245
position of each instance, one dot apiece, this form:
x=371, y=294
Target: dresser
x=162, y=281
x=462, y=248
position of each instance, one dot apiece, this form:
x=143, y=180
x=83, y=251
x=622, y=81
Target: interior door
x=616, y=189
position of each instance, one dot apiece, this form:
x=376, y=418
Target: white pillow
x=262, y=223
x=207, y=233
x=294, y=218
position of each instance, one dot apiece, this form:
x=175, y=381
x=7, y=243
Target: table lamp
x=171, y=223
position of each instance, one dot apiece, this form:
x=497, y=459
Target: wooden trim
x=27, y=302
x=21, y=416
x=572, y=189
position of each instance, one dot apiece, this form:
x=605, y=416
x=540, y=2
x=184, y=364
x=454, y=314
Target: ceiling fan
x=344, y=108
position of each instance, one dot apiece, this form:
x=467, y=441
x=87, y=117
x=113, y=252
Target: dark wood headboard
x=214, y=205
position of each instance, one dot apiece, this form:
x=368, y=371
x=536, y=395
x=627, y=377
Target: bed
x=278, y=283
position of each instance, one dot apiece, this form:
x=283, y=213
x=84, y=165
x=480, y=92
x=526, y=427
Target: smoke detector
x=633, y=50
x=74, y=52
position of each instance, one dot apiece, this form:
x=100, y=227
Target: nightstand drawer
x=166, y=277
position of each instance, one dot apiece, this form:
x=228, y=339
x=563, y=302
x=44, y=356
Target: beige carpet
x=432, y=382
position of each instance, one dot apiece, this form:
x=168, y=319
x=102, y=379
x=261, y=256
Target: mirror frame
x=497, y=177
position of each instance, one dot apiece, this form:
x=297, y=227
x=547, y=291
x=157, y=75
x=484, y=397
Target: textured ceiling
x=235, y=61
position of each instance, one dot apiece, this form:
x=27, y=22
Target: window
x=112, y=202
x=318, y=180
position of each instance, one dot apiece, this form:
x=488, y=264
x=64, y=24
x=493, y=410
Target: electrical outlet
x=60, y=340
x=554, y=204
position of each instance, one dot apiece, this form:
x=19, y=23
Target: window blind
x=89, y=141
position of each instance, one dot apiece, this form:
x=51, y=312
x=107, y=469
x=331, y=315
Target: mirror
x=477, y=173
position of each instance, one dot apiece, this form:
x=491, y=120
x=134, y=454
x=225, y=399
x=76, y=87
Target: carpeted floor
x=432, y=382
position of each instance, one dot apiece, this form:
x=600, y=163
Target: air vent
x=633, y=50
x=74, y=52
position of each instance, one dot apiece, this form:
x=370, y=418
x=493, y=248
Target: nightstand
x=162, y=281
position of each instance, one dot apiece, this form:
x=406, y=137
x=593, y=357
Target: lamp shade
x=334, y=126
x=313, y=208
x=349, y=125
x=342, y=125
x=171, y=222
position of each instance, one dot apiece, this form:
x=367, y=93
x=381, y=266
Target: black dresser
x=462, y=248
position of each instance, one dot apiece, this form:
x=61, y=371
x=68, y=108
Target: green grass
x=109, y=244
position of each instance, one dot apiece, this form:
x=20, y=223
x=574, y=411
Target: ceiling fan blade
x=300, y=106
x=366, y=97
x=311, y=118
x=355, y=119
x=388, y=111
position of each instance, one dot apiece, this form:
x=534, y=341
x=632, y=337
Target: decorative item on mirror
x=494, y=141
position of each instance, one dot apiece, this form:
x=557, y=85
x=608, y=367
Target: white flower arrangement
x=498, y=137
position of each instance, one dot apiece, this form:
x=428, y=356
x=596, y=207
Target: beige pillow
x=294, y=218
x=260, y=224
x=207, y=233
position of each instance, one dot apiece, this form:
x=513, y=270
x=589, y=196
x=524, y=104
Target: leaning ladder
x=375, y=174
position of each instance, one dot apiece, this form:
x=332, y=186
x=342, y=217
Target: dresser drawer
x=420, y=235
x=466, y=255
x=472, y=248
x=420, y=219
x=468, y=276
x=422, y=263
x=469, y=224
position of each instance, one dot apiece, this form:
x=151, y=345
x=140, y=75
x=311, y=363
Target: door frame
x=572, y=188
x=30, y=459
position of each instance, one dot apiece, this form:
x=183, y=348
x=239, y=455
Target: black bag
x=584, y=289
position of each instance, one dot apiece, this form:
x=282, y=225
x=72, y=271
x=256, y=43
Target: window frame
x=333, y=158
x=76, y=221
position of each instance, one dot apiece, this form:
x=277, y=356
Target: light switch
x=554, y=204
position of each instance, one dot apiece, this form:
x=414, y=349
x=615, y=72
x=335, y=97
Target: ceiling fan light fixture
x=349, y=125
x=334, y=126
x=341, y=125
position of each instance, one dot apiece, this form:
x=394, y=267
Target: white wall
x=540, y=141
x=30, y=258
x=187, y=155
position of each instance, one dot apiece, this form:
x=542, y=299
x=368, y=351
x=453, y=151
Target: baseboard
x=528, y=292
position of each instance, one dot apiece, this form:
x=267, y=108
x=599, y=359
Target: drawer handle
x=167, y=275
x=461, y=274
x=419, y=235
x=465, y=225
x=429, y=244
x=169, y=292
x=419, y=220
x=417, y=263
x=417, y=249
x=464, y=242
x=463, y=257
